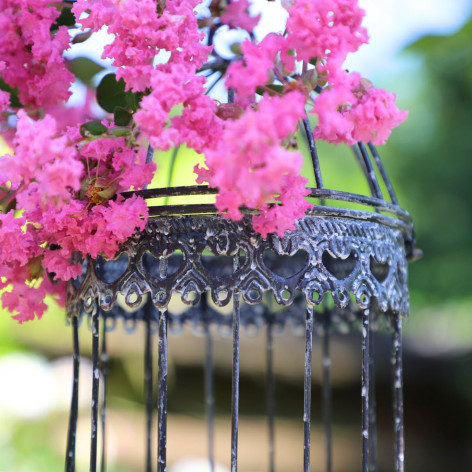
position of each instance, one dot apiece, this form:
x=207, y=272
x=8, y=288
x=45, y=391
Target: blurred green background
x=429, y=159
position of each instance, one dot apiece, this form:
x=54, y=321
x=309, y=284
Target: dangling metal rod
x=307, y=388
x=372, y=410
x=235, y=375
x=369, y=171
x=148, y=384
x=209, y=385
x=162, y=400
x=74, y=407
x=398, y=394
x=383, y=173
x=103, y=407
x=270, y=394
x=95, y=388
x=327, y=393
x=162, y=381
x=365, y=392
x=313, y=152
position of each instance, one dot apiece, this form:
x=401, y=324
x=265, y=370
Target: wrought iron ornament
x=358, y=257
x=344, y=257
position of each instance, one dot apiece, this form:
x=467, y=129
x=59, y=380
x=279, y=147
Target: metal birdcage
x=355, y=258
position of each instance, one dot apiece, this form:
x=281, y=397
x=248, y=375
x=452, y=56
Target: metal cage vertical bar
x=74, y=407
x=365, y=388
x=95, y=388
x=162, y=393
x=398, y=394
x=148, y=383
x=209, y=385
x=307, y=389
x=270, y=393
x=103, y=405
x=235, y=374
x=327, y=394
x=372, y=409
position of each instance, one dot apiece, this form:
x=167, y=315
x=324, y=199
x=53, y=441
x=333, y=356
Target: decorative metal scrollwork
x=352, y=260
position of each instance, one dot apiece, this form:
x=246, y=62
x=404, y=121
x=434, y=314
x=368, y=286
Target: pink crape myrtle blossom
x=117, y=163
x=254, y=70
x=18, y=251
x=25, y=291
x=26, y=300
x=280, y=218
x=140, y=33
x=375, y=115
x=237, y=15
x=353, y=110
x=100, y=230
x=196, y=125
x=16, y=243
x=32, y=54
x=44, y=166
x=62, y=187
x=47, y=174
x=251, y=168
x=325, y=28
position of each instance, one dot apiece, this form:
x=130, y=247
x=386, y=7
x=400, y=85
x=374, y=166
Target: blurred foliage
x=432, y=165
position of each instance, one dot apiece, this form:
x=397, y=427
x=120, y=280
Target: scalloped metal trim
x=354, y=246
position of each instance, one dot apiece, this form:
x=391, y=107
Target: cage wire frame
x=360, y=256
x=359, y=253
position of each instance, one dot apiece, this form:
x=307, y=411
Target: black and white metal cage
x=356, y=258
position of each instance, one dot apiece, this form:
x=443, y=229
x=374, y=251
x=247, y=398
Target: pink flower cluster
x=353, y=110
x=257, y=64
x=64, y=185
x=196, y=124
x=251, y=167
x=321, y=32
x=32, y=54
x=237, y=15
x=140, y=32
x=61, y=189
x=325, y=29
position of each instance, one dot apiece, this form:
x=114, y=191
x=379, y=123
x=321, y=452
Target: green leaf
x=122, y=116
x=133, y=99
x=84, y=69
x=14, y=100
x=95, y=128
x=111, y=93
x=66, y=18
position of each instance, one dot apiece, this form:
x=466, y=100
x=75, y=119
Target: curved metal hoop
x=360, y=259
